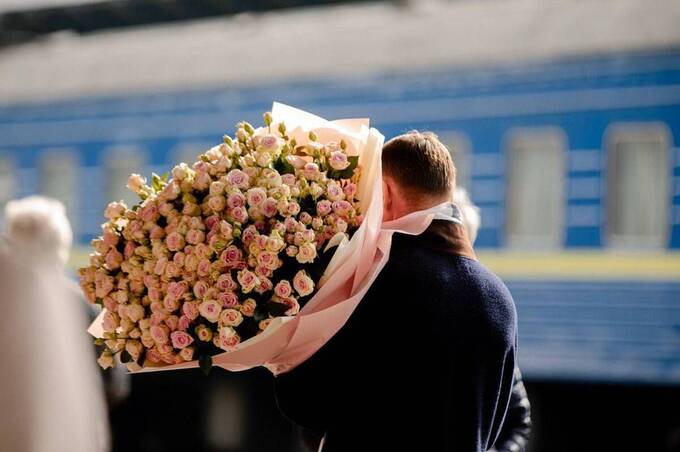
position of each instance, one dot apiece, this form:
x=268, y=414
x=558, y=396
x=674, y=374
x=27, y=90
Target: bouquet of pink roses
x=242, y=238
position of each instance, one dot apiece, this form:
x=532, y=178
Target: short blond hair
x=420, y=163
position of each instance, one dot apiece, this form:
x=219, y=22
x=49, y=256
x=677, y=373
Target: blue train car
x=574, y=162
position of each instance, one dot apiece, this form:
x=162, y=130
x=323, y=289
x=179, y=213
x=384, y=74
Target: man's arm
x=516, y=429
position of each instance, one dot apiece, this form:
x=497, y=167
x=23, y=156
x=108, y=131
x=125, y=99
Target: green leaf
x=156, y=182
x=165, y=176
x=347, y=172
x=125, y=357
x=277, y=309
x=135, y=208
x=283, y=167
x=205, y=363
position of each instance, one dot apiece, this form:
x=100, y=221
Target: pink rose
x=174, y=241
x=323, y=208
x=238, y=178
x=225, y=282
x=211, y=221
x=256, y=196
x=172, y=270
x=190, y=310
x=157, y=233
x=187, y=354
x=177, y=289
x=110, y=238
x=239, y=214
x=135, y=312
x=148, y=212
x=210, y=309
x=350, y=190
x=303, y=283
x=194, y=236
x=217, y=203
x=170, y=192
x=113, y=259
x=170, y=304
x=293, y=208
x=129, y=249
x=159, y=333
x=283, y=289
x=264, y=286
x=342, y=208
x=200, y=288
x=268, y=259
x=293, y=306
x=115, y=210
x=180, y=339
x=306, y=253
x=172, y=322
x=231, y=255
x=231, y=317
x=201, y=181
x=110, y=322
x=159, y=267
x=178, y=258
x=184, y=323
x=288, y=179
x=203, y=267
x=248, y=280
x=236, y=200
x=338, y=160
x=248, y=234
x=228, y=299
x=191, y=262
x=247, y=308
x=269, y=207
x=334, y=192
x=268, y=142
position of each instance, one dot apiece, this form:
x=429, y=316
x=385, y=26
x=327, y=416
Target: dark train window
x=535, y=193
x=59, y=179
x=638, y=185
x=120, y=163
x=461, y=152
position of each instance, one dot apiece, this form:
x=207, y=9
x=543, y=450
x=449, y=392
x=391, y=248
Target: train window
x=59, y=179
x=120, y=163
x=461, y=152
x=638, y=185
x=535, y=196
x=7, y=183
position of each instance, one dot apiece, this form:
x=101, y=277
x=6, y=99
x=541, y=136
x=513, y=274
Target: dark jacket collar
x=446, y=236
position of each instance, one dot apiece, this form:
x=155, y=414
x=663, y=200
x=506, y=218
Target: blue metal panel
x=618, y=331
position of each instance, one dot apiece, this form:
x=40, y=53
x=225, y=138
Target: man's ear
x=387, y=200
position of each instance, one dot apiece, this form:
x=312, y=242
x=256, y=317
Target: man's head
x=418, y=173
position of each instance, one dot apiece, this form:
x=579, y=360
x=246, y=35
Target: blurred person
x=426, y=360
x=50, y=393
x=514, y=435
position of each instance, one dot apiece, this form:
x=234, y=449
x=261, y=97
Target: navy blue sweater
x=424, y=363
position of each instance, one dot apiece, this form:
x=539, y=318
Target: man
x=426, y=360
